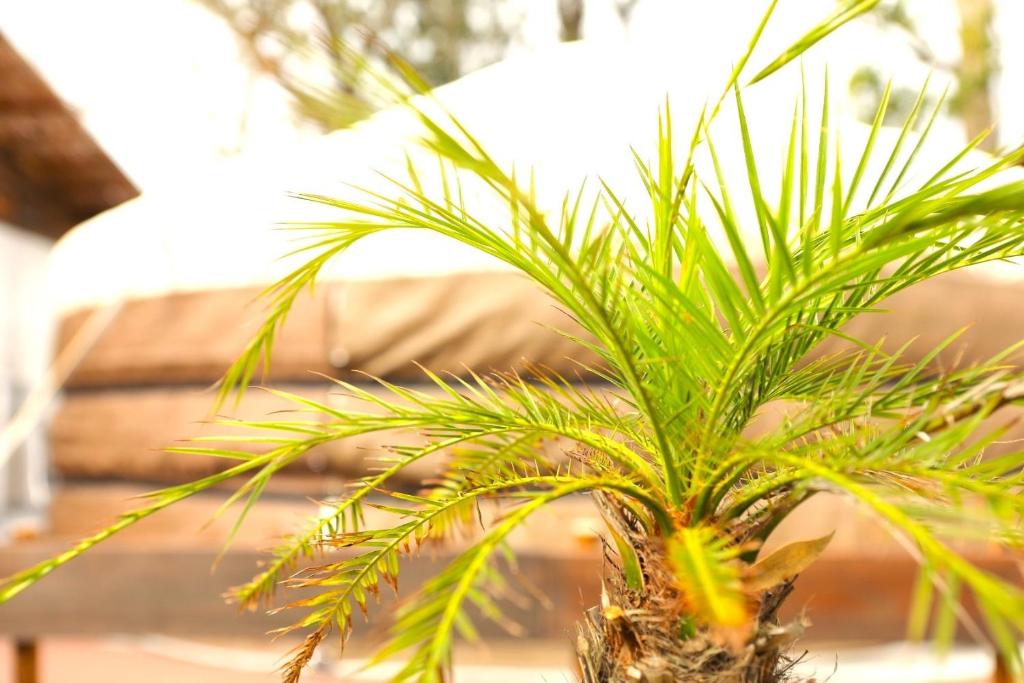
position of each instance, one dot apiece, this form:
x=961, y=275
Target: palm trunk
x=638, y=636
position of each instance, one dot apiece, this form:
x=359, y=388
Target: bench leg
x=26, y=661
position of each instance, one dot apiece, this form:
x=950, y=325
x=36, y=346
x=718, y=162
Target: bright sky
x=162, y=85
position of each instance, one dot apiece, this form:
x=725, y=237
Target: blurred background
x=146, y=152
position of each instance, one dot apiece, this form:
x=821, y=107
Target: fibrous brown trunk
x=636, y=636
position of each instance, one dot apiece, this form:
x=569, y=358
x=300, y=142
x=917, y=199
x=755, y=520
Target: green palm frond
x=426, y=626
x=702, y=318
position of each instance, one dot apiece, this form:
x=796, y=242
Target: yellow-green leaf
x=784, y=563
x=849, y=10
x=630, y=562
x=921, y=604
x=708, y=575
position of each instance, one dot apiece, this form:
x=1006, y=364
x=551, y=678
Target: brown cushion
x=123, y=433
x=123, y=408
x=191, y=338
x=928, y=313
x=483, y=321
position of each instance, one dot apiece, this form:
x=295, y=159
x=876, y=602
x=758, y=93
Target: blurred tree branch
x=973, y=72
x=978, y=64
x=570, y=15
x=307, y=45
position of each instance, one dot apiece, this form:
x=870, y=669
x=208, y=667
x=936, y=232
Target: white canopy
x=569, y=113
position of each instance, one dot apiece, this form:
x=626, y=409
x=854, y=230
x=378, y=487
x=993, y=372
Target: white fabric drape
x=24, y=349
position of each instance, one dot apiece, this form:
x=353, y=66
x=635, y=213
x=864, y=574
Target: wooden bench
x=156, y=577
x=160, y=353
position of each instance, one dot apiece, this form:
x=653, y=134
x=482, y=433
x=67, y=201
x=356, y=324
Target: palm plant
x=694, y=340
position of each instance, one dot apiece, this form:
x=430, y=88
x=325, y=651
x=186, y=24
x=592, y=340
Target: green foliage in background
x=316, y=49
x=973, y=74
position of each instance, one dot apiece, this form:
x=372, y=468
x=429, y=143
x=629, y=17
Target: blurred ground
x=160, y=659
